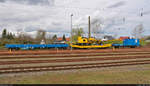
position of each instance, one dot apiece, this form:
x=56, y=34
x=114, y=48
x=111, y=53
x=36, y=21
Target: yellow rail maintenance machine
x=89, y=43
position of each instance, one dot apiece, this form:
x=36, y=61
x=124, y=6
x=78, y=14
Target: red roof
x=67, y=39
x=122, y=38
x=60, y=39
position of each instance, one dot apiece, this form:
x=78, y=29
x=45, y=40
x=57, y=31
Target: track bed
x=68, y=60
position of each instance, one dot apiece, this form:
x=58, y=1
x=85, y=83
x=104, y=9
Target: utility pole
x=71, y=31
x=89, y=28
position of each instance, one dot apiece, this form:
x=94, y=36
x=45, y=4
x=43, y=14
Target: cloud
x=118, y=4
x=54, y=15
x=30, y=2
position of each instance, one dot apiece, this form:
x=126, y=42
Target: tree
x=7, y=35
x=64, y=38
x=4, y=34
x=138, y=31
x=23, y=38
x=54, y=38
x=49, y=39
x=97, y=27
x=40, y=36
x=76, y=33
x=10, y=36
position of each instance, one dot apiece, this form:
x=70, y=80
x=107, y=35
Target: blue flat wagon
x=35, y=46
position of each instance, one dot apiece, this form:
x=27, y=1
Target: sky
x=108, y=17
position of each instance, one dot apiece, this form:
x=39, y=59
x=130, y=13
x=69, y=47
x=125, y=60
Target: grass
x=144, y=43
x=108, y=76
x=2, y=47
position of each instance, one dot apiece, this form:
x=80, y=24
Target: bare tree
x=76, y=33
x=138, y=31
x=97, y=27
x=54, y=38
x=24, y=38
x=40, y=36
x=49, y=39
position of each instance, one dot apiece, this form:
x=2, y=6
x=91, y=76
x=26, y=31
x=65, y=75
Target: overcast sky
x=117, y=17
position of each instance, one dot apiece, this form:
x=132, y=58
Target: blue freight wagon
x=35, y=46
x=128, y=43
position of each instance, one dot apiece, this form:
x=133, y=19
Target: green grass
x=2, y=48
x=109, y=76
x=143, y=42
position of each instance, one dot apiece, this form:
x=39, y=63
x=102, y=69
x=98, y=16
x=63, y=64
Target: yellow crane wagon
x=89, y=43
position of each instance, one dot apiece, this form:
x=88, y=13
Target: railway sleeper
x=73, y=67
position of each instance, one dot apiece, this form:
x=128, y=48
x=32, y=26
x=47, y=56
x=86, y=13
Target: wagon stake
x=10, y=50
x=113, y=48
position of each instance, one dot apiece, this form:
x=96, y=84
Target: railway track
x=43, y=52
x=116, y=58
x=70, y=55
x=73, y=60
x=70, y=67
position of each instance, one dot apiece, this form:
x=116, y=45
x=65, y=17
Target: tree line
x=23, y=38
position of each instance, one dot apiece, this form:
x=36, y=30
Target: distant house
x=42, y=42
x=61, y=39
x=125, y=37
x=67, y=39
